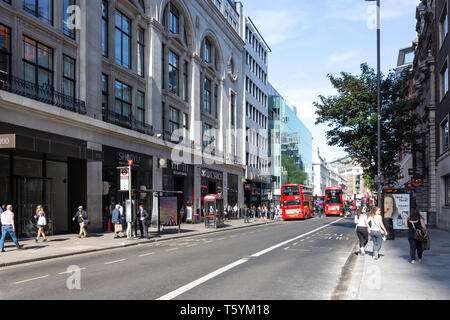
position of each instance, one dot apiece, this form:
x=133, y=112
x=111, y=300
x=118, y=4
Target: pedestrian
x=247, y=214
x=182, y=211
x=116, y=220
x=235, y=211
x=362, y=229
x=143, y=216
x=377, y=230
x=416, y=225
x=41, y=222
x=82, y=219
x=254, y=212
x=258, y=212
x=7, y=219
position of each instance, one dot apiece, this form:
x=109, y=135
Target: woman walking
x=41, y=223
x=362, y=229
x=413, y=223
x=377, y=230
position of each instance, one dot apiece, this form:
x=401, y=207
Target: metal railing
x=44, y=93
x=128, y=122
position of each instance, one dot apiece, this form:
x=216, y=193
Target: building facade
x=442, y=115
x=84, y=91
x=258, y=176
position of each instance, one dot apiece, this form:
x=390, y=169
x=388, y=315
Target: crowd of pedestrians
x=372, y=225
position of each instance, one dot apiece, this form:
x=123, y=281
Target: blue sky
x=311, y=38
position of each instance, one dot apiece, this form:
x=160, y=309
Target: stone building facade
x=84, y=89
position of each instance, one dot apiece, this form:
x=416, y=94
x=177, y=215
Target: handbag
x=419, y=235
x=118, y=227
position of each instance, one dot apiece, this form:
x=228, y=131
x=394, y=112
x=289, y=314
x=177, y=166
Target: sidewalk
x=393, y=277
x=70, y=244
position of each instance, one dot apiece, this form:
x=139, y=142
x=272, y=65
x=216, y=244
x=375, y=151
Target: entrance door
x=29, y=193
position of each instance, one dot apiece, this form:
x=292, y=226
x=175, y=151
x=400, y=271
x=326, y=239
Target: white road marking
x=146, y=254
x=65, y=272
x=115, y=261
x=198, y=282
x=37, y=278
x=190, y=286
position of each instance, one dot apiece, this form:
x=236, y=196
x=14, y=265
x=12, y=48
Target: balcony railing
x=45, y=94
x=128, y=122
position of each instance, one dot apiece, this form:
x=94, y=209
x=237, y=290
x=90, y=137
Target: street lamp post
x=378, y=180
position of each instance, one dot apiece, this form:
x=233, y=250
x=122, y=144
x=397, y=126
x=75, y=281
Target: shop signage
x=124, y=179
x=179, y=169
x=206, y=173
x=162, y=163
x=124, y=157
x=7, y=141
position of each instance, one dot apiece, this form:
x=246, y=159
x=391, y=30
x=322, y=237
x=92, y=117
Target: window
x=207, y=51
x=174, y=120
x=207, y=96
x=174, y=20
x=122, y=105
x=140, y=115
x=140, y=51
x=207, y=136
x=123, y=40
x=185, y=81
x=218, y=4
x=105, y=33
x=444, y=136
x=69, y=79
x=443, y=25
x=42, y=9
x=447, y=190
x=37, y=65
x=444, y=80
x=174, y=73
x=216, y=100
x=105, y=97
x=5, y=53
x=68, y=30
x=233, y=109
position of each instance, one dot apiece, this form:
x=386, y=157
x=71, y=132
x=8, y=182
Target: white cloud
x=280, y=26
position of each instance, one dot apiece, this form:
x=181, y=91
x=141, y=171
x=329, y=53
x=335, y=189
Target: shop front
x=39, y=168
x=141, y=179
x=212, y=182
x=233, y=189
x=180, y=177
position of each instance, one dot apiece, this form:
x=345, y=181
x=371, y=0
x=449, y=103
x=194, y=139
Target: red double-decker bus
x=365, y=202
x=333, y=201
x=296, y=202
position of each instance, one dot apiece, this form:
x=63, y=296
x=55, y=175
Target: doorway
x=29, y=193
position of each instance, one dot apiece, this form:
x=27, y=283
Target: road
x=292, y=260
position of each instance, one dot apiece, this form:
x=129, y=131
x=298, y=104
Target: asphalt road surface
x=287, y=260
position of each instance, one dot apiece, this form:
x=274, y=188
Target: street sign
x=124, y=179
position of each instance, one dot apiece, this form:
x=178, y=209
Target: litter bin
x=389, y=225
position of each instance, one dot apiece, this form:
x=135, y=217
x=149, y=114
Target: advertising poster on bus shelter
x=168, y=211
x=397, y=207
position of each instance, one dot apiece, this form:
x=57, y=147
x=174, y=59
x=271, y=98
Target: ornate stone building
x=424, y=65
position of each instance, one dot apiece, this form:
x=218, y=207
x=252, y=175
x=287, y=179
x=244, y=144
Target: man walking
x=7, y=219
x=82, y=218
x=143, y=216
x=116, y=220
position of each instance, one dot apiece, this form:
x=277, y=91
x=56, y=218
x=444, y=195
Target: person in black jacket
x=82, y=219
x=143, y=216
x=413, y=223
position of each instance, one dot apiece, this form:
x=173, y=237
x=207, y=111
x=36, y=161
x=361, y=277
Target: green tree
x=351, y=116
x=294, y=175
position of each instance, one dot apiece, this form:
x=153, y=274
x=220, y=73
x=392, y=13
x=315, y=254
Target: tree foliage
x=294, y=175
x=351, y=116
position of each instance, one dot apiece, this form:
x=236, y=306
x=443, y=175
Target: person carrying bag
x=417, y=234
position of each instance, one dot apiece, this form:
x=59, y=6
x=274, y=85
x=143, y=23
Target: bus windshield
x=291, y=191
x=333, y=196
x=291, y=203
